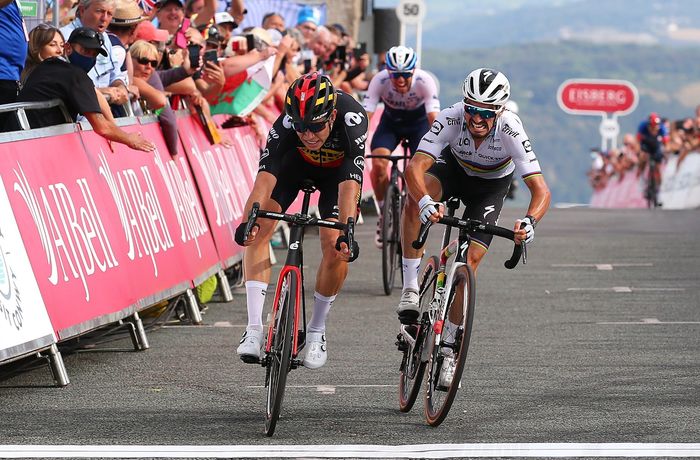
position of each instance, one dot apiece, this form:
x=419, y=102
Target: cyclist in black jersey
x=321, y=136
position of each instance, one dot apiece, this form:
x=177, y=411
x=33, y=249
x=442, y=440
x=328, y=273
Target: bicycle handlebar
x=392, y=158
x=302, y=220
x=475, y=225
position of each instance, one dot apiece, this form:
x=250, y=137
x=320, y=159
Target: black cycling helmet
x=310, y=99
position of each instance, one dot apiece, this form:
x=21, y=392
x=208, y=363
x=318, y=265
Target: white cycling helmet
x=401, y=59
x=487, y=86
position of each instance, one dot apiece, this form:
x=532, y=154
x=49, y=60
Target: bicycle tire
x=412, y=364
x=438, y=401
x=390, y=226
x=280, y=356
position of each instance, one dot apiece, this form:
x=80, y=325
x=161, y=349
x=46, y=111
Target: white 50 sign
x=411, y=11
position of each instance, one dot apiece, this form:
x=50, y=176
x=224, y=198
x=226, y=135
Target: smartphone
x=307, y=65
x=211, y=56
x=341, y=53
x=250, y=41
x=180, y=38
x=193, y=51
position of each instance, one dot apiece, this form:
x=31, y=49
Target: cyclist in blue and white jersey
x=472, y=150
x=410, y=106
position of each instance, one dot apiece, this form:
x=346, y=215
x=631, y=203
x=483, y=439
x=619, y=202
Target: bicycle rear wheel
x=280, y=356
x=413, y=365
x=440, y=395
x=390, y=237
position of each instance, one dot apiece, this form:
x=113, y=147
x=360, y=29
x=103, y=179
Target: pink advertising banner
x=106, y=229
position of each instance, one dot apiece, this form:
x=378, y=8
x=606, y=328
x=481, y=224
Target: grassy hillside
x=668, y=80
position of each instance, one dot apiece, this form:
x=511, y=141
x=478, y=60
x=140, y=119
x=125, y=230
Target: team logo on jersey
x=265, y=153
x=353, y=118
x=272, y=135
x=436, y=128
x=452, y=121
x=507, y=130
x=287, y=122
x=527, y=146
x=360, y=163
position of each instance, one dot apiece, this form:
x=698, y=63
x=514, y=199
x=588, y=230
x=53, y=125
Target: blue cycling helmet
x=401, y=59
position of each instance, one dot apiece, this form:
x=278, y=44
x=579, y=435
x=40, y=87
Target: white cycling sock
x=410, y=273
x=322, y=306
x=449, y=332
x=255, y=300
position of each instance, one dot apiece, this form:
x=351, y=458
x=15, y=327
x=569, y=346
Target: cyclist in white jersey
x=410, y=106
x=472, y=150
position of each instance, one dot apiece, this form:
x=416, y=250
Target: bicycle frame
x=293, y=263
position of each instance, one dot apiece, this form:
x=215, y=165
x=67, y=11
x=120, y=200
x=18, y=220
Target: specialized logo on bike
x=354, y=118
x=325, y=158
x=294, y=246
x=463, y=249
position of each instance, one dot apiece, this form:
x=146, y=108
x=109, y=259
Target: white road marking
x=326, y=389
x=216, y=324
x=625, y=289
x=362, y=450
x=604, y=266
x=322, y=388
x=648, y=321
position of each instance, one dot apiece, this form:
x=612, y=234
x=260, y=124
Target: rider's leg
x=379, y=175
x=256, y=263
x=410, y=224
x=329, y=279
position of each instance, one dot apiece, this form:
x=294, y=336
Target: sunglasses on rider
x=405, y=75
x=146, y=61
x=483, y=113
x=313, y=127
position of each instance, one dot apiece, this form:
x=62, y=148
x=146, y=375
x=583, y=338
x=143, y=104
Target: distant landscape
x=529, y=46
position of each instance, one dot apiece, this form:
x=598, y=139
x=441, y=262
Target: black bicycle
x=444, y=295
x=287, y=328
x=391, y=218
x=651, y=191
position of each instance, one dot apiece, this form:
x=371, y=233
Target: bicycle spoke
x=440, y=392
x=279, y=358
x=390, y=224
x=413, y=366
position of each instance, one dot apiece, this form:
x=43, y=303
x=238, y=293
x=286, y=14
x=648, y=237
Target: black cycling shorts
x=295, y=170
x=483, y=198
x=390, y=132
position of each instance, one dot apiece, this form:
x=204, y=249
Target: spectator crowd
x=110, y=59
x=657, y=139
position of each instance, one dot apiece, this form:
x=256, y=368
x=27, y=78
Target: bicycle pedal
x=249, y=359
x=401, y=345
x=408, y=318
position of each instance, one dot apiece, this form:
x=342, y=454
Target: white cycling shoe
x=447, y=370
x=316, y=355
x=249, y=349
x=408, y=306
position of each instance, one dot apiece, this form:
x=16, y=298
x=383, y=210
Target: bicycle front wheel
x=280, y=356
x=412, y=365
x=441, y=389
x=391, y=217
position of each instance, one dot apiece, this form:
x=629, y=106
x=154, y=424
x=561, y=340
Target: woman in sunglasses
x=472, y=150
x=410, y=105
x=321, y=136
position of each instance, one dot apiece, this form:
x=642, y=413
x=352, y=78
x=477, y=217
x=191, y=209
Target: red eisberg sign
x=595, y=97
